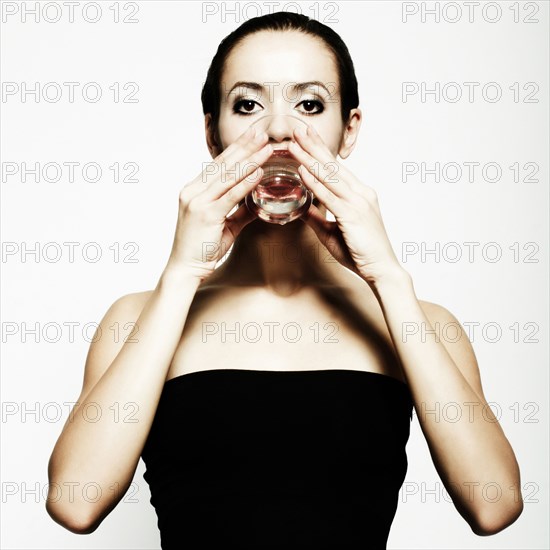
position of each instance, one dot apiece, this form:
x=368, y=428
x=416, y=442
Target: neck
x=282, y=258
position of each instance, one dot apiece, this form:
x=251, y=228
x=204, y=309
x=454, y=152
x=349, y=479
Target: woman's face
x=280, y=73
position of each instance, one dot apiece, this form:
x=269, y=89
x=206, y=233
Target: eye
x=245, y=107
x=309, y=106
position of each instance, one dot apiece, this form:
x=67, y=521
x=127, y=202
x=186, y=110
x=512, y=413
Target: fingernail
x=300, y=132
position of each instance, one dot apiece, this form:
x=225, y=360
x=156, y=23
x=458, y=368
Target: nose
x=279, y=129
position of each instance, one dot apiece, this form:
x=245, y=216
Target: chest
x=315, y=330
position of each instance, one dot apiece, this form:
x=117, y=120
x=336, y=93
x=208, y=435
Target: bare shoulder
x=445, y=319
x=449, y=331
x=116, y=327
x=133, y=300
x=437, y=310
x=456, y=341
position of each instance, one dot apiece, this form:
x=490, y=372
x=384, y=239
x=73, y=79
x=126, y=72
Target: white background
x=167, y=53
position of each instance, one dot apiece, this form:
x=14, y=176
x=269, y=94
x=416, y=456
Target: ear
x=351, y=132
x=212, y=139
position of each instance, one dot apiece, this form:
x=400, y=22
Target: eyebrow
x=298, y=86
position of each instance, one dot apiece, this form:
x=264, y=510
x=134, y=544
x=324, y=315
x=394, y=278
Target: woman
x=281, y=440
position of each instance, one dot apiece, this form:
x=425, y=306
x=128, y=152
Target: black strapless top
x=278, y=459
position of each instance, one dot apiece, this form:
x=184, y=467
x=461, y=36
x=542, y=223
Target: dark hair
x=282, y=21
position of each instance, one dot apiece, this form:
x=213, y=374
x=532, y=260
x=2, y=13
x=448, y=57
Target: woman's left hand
x=358, y=238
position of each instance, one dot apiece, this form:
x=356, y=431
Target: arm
x=107, y=452
x=473, y=450
x=470, y=452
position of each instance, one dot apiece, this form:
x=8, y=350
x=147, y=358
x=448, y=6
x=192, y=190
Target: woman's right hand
x=203, y=233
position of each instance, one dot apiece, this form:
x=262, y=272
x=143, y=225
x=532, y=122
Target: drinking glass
x=281, y=195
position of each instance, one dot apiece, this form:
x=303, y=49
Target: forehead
x=280, y=56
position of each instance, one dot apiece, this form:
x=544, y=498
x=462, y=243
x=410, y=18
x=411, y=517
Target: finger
x=317, y=222
x=327, y=198
x=317, y=158
x=230, y=177
x=322, y=171
x=211, y=167
x=231, y=164
x=248, y=143
x=247, y=137
x=235, y=224
x=233, y=196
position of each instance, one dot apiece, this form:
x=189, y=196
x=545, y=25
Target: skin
x=258, y=256
x=369, y=310
x=342, y=277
